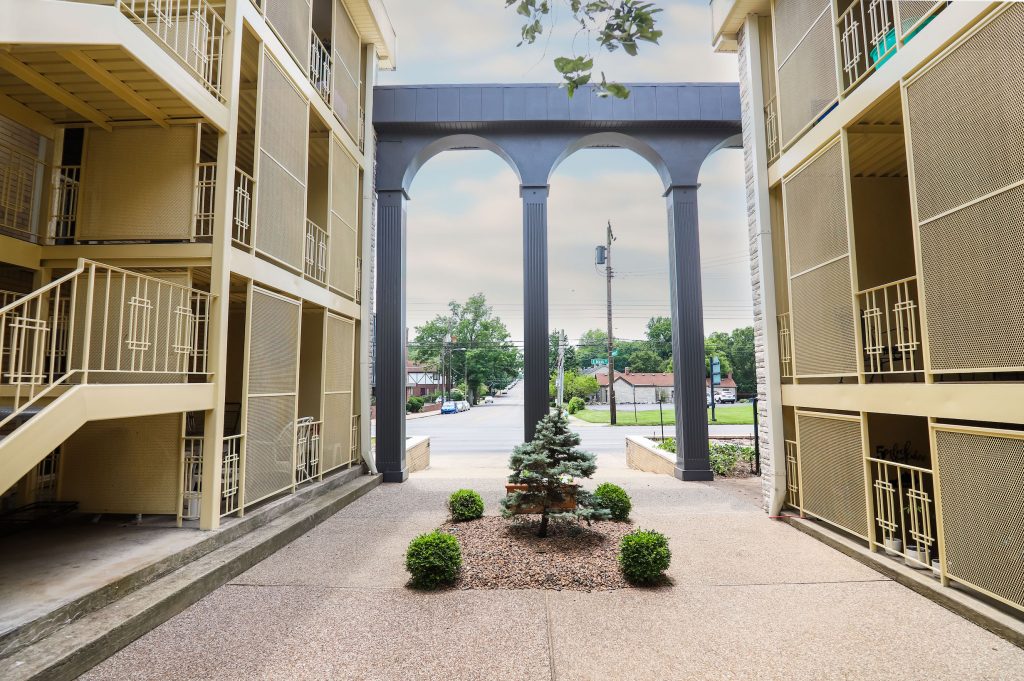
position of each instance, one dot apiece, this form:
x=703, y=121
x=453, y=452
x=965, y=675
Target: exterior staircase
x=98, y=343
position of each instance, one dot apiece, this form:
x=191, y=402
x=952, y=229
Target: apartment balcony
x=320, y=68
x=74, y=63
x=315, y=257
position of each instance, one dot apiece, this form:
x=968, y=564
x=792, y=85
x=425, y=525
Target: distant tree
x=741, y=356
x=593, y=344
x=717, y=343
x=570, y=351
x=659, y=336
x=481, y=351
x=644, y=361
x=576, y=385
x=613, y=24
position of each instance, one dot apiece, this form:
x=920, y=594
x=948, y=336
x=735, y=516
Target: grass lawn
x=732, y=415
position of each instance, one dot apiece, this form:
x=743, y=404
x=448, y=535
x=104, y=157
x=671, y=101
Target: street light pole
x=611, y=337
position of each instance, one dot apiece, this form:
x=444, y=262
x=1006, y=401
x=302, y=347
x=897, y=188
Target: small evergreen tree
x=545, y=466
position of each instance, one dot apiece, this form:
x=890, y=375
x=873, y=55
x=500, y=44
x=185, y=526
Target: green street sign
x=615, y=353
x=598, y=362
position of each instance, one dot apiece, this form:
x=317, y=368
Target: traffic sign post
x=716, y=379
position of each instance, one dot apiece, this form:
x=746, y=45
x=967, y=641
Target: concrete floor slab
x=247, y=633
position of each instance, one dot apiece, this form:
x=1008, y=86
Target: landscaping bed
x=502, y=554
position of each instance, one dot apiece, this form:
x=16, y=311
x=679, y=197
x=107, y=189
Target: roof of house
x=659, y=380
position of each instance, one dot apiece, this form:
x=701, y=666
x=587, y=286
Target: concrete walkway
x=752, y=598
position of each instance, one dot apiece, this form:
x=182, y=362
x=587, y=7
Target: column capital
x=385, y=193
x=684, y=188
x=534, y=191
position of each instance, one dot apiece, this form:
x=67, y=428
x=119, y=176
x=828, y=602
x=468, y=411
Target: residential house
x=420, y=381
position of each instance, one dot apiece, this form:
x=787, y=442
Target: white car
x=462, y=405
x=488, y=400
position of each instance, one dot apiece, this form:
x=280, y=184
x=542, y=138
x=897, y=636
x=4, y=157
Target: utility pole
x=560, y=381
x=611, y=336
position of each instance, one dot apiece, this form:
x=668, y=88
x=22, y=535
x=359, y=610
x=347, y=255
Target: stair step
x=68, y=651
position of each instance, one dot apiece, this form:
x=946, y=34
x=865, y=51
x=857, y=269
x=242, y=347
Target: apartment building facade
x=185, y=211
x=883, y=153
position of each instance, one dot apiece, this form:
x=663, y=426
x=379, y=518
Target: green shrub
x=576, y=404
x=433, y=559
x=414, y=404
x=465, y=504
x=615, y=499
x=643, y=556
x=724, y=457
x=669, y=444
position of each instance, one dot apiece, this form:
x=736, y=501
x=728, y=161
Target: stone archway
x=533, y=128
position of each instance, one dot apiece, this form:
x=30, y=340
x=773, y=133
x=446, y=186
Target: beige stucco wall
x=417, y=453
x=644, y=455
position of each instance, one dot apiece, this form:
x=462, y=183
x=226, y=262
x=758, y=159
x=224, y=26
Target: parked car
x=488, y=400
x=439, y=400
x=449, y=408
x=462, y=405
x=725, y=398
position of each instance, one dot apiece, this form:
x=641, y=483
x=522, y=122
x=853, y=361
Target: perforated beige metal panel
x=912, y=11
x=344, y=216
x=272, y=374
x=124, y=465
x=284, y=120
x=982, y=494
x=346, y=70
x=291, y=20
x=823, y=319
x=966, y=125
x=792, y=19
x=339, y=371
x=138, y=183
x=972, y=273
x=815, y=205
x=832, y=471
x=807, y=79
x=280, y=216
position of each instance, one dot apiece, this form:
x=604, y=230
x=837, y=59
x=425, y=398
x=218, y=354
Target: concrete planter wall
x=643, y=454
x=417, y=453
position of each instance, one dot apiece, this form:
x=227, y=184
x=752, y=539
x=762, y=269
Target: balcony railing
x=867, y=37
x=230, y=477
x=138, y=328
x=792, y=474
x=320, y=68
x=359, y=279
x=20, y=176
x=307, y=446
x=903, y=510
x=890, y=324
x=316, y=252
x=206, y=188
x=785, y=346
x=67, y=182
x=771, y=129
x=241, y=222
x=191, y=29
x=192, y=476
x=354, y=455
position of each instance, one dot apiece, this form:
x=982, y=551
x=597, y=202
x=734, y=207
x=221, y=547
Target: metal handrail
x=307, y=446
x=135, y=325
x=891, y=327
x=902, y=508
x=320, y=68
x=785, y=346
x=205, y=199
x=241, y=220
x=771, y=129
x=316, y=252
x=67, y=183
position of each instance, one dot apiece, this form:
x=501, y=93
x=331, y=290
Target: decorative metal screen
x=124, y=465
x=281, y=184
x=912, y=12
x=346, y=48
x=968, y=160
x=291, y=20
x=272, y=375
x=982, y=495
x=823, y=319
x=832, y=470
x=344, y=217
x=138, y=184
x=339, y=371
x=807, y=63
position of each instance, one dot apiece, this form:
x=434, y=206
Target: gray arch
x=534, y=128
x=616, y=140
x=450, y=143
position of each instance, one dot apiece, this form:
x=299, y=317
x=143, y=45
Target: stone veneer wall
x=747, y=107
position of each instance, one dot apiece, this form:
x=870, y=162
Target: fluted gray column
x=391, y=233
x=687, y=335
x=535, y=305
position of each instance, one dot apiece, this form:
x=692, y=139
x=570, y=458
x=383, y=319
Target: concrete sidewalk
x=752, y=598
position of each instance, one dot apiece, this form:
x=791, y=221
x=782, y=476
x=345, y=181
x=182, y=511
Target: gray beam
x=687, y=335
x=391, y=248
x=535, y=306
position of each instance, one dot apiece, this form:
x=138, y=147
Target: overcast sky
x=465, y=217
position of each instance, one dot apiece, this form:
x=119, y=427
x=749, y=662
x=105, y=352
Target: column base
x=396, y=476
x=694, y=475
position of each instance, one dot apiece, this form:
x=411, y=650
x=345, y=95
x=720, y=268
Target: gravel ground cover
x=503, y=554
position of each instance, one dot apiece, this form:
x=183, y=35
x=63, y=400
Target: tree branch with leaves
x=612, y=24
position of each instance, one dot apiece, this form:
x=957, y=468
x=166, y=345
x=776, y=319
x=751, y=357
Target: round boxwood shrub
x=433, y=559
x=615, y=499
x=643, y=556
x=414, y=405
x=465, y=504
x=576, y=404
